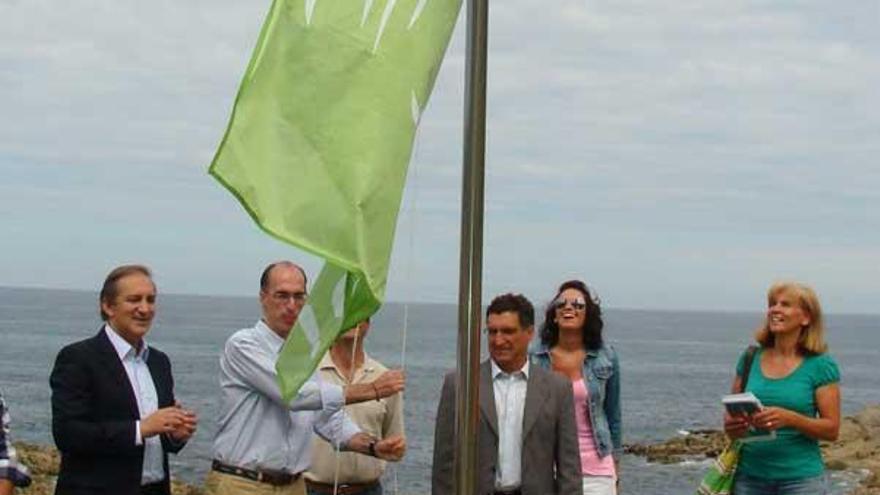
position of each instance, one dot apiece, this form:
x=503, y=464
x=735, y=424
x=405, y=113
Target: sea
x=675, y=366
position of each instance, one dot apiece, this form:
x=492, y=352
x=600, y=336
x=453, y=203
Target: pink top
x=591, y=464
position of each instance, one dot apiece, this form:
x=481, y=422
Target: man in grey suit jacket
x=527, y=440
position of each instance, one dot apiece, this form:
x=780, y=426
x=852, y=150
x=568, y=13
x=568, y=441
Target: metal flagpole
x=471, y=262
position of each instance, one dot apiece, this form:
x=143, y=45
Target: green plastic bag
x=719, y=479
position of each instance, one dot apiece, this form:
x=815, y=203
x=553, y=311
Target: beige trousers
x=227, y=484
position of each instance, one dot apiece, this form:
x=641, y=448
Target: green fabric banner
x=319, y=143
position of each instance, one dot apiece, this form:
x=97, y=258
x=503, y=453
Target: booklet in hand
x=746, y=404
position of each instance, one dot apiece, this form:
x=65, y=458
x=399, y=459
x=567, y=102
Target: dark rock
x=44, y=462
x=695, y=445
x=857, y=447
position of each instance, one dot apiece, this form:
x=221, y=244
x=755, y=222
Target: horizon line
x=448, y=303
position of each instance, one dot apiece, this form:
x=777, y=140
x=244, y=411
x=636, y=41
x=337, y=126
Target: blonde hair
x=812, y=336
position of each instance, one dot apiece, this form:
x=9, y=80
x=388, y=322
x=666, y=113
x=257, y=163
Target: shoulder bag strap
x=747, y=366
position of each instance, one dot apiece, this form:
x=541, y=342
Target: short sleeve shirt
x=791, y=455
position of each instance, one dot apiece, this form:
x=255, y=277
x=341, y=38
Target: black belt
x=515, y=491
x=274, y=478
x=341, y=488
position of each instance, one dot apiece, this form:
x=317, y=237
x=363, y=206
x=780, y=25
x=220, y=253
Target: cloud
x=646, y=145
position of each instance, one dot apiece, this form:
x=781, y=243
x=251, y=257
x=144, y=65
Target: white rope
x=410, y=255
x=353, y=366
x=408, y=270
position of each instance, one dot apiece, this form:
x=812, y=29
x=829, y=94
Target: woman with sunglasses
x=571, y=345
x=796, y=381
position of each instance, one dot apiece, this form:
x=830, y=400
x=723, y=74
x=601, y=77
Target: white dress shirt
x=510, y=399
x=135, y=363
x=257, y=429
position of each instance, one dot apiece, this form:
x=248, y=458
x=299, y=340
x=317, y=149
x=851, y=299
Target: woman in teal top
x=797, y=383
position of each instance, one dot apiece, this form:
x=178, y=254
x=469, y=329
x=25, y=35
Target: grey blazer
x=551, y=462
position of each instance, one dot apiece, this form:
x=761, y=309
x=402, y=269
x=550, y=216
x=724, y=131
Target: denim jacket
x=602, y=374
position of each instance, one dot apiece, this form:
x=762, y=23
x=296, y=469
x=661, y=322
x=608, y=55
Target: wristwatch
x=372, y=447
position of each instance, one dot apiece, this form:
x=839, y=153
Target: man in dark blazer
x=114, y=417
x=527, y=440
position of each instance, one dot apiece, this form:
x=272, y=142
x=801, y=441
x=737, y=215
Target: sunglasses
x=577, y=303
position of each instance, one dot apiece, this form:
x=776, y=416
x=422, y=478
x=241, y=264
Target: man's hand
x=389, y=383
x=388, y=449
x=6, y=487
x=391, y=448
x=188, y=427
x=165, y=420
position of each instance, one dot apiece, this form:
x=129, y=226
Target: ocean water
x=675, y=367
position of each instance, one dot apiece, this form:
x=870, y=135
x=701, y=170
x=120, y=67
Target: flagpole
x=471, y=261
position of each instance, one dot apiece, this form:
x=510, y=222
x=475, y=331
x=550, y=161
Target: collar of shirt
x=123, y=348
x=497, y=371
x=368, y=367
x=274, y=341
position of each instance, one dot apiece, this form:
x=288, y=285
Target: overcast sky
x=678, y=155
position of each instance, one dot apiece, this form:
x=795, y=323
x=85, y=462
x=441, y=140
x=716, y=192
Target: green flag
x=319, y=142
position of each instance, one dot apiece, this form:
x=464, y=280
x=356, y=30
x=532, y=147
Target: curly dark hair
x=592, y=330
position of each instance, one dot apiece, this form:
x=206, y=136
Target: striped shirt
x=10, y=469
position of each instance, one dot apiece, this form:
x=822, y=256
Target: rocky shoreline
x=857, y=448
x=44, y=461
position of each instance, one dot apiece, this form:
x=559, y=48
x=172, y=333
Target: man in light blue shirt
x=263, y=443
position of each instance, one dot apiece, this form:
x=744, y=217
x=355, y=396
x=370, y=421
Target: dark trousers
x=153, y=489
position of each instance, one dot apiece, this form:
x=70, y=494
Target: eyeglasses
x=577, y=303
x=283, y=297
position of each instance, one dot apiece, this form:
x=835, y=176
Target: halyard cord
x=413, y=213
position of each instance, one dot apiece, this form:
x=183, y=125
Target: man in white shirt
x=527, y=437
x=114, y=415
x=263, y=443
